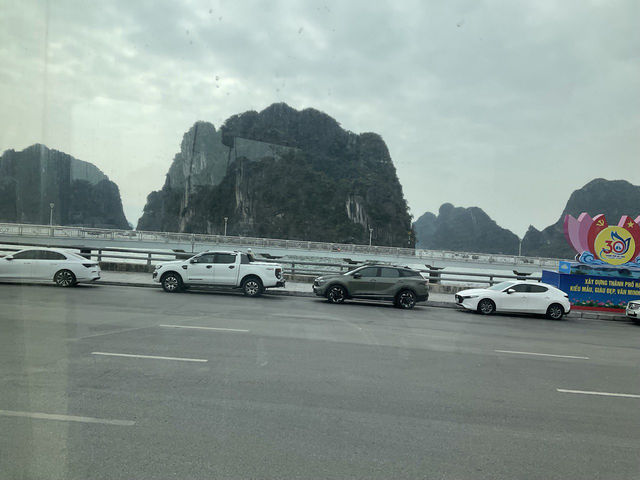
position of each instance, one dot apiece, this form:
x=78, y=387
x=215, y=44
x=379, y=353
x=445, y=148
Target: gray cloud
x=505, y=105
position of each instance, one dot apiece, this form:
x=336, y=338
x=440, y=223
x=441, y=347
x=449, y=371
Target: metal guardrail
x=291, y=267
x=11, y=229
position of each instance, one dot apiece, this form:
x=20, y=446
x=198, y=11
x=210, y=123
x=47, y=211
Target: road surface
x=108, y=382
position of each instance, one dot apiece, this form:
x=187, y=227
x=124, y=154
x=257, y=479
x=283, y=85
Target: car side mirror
x=192, y=261
x=357, y=275
x=510, y=291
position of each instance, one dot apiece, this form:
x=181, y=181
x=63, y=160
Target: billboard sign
x=589, y=292
x=598, y=243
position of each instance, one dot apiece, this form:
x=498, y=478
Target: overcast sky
x=505, y=105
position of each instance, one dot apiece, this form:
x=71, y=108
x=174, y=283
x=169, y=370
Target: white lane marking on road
x=66, y=418
x=153, y=357
x=604, y=394
x=541, y=354
x=205, y=328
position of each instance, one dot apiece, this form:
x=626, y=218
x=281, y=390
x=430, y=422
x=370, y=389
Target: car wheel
x=406, y=300
x=486, y=306
x=172, y=283
x=555, y=311
x=336, y=294
x=64, y=278
x=252, y=287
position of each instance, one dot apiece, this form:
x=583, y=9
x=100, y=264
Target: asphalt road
x=288, y=387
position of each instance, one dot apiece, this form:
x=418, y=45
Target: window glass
x=389, y=272
x=520, y=288
x=369, y=272
x=205, y=258
x=47, y=255
x=409, y=273
x=537, y=289
x=244, y=259
x=225, y=258
x=28, y=255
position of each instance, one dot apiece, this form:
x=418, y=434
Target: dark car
x=402, y=285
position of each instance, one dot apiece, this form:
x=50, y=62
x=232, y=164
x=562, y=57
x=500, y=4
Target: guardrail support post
x=490, y=280
x=148, y=259
x=99, y=256
x=293, y=268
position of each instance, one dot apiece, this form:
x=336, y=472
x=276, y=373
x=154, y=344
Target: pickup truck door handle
x=232, y=266
x=209, y=266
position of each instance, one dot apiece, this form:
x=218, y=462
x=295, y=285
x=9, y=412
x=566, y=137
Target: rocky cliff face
x=35, y=177
x=614, y=198
x=282, y=173
x=463, y=230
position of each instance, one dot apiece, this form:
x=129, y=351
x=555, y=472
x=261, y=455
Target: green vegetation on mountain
x=35, y=177
x=282, y=173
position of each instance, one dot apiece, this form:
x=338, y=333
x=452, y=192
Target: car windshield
x=352, y=272
x=501, y=286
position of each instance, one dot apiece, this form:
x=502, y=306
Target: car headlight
x=320, y=281
x=158, y=267
x=466, y=297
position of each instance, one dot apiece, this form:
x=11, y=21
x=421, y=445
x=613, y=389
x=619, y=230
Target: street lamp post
x=51, y=205
x=225, y=225
x=520, y=248
x=370, y=234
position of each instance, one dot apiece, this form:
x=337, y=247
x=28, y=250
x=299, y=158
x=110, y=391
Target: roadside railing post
x=149, y=259
x=293, y=268
x=99, y=256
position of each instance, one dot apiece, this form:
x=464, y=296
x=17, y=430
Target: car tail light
x=278, y=273
x=88, y=265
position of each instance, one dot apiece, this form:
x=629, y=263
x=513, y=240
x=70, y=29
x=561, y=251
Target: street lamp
x=225, y=225
x=520, y=248
x=51, y=205
x=370, y=233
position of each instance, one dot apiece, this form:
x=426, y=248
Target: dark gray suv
x=402, y=285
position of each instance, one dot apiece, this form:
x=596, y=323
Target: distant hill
x=35, y=177
x=282, y=173
x=614, y=198
x=464, y=230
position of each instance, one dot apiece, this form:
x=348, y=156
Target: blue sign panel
x=590, y=291
x=564, y=267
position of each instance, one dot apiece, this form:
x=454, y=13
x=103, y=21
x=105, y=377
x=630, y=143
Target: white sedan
x=64, y=268
x=516, y=296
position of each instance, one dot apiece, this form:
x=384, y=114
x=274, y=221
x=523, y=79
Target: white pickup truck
x=220, y=269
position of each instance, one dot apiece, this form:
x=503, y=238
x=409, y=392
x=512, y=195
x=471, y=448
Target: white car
x=64, y=268
x=516, y=296
x=633, y=310
x=220, y=269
